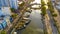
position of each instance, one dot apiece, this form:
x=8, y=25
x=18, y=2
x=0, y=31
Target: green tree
x=12, y=9
x=51, y=8
x=3, y=32
x=22, y=4
x=43, y=8
x=54, y=15
x=14, y=15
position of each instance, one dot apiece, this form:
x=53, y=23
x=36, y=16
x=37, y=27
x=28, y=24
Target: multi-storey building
x=5, y=17
x=13, y=4
x=4, y=3
x=10, y=3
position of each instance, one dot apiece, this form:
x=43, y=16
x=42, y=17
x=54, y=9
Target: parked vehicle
x=25, y=25
x=27, y=14
x=27, y=22
x=29, y=11
x=24, y=18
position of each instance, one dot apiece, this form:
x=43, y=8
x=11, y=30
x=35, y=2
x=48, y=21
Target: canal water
x=36, y=25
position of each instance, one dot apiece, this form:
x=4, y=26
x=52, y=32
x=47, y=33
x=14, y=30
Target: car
x=23, y=27
x=27, y=22
x=24, y=18
x=29, y=11
x=27, y=16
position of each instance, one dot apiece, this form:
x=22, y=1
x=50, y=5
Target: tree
x=54, y=15
x=22, y=4
x=43, y=8
x=42, y=3
x=51, y=8
x=3, y=32
x=12, y=9
x=14, y=15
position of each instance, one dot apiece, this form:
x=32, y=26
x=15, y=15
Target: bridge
x=35, y=8
x=30, y=6
x=36, y=4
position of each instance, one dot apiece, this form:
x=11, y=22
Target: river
x=36, y=25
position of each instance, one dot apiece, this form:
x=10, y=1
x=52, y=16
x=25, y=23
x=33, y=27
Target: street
x=54, y=28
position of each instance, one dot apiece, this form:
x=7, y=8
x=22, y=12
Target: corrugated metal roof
x=6, y=11
x=1, y=13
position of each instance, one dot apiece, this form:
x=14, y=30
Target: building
x=5, y=14
x=14, y=4
x=6, y=11
x=10, y=3
x=4, y=3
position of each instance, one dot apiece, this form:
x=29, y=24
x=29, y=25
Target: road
x=8, y=30
x=57, y=11
x=36, y=25
x=56, y=5
x=54, y=29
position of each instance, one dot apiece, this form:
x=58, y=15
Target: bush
x=21, y=5
x=3, y=32
x=43, y=8
x=42, y=3
x=14, y=16
x=51, y=8
x=54, y=20
x=12, y=9
x=54, y=15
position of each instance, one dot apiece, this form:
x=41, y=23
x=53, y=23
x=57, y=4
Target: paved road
x=54, y=29
x=56, y=5
x=36, y=25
